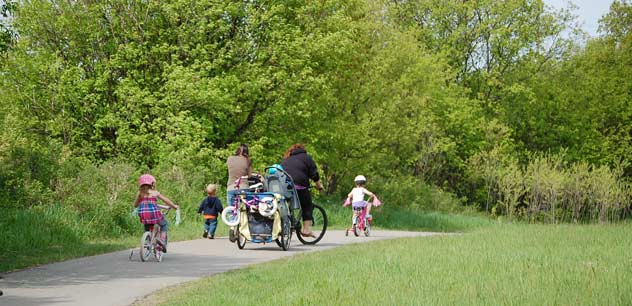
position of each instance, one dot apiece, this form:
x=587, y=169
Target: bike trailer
x=258, y=227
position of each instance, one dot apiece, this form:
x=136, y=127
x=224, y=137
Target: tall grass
x=546, y=189
x=88, y=210
x=498, y=265
x=395, y=216
x=41, y=235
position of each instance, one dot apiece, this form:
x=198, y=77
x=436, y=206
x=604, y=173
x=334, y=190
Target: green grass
x=498, y=265
x=401, y=218
x=42, y=235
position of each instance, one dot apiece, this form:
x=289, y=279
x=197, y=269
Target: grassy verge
x=51, y=233
x=401, y=218
x=497, y=265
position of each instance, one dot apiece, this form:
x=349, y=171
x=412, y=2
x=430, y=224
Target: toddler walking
x=210, y=208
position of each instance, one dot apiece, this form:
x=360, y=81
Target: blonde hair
x=211, y=188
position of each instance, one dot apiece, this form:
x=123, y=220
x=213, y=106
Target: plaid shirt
x=149, y=212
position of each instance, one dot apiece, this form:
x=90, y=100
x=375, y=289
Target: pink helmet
x=146, y=179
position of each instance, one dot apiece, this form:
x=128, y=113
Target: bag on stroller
x=259, y=228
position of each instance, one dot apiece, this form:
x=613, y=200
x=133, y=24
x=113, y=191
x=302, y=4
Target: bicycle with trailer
x=278, y=181
x=270, y=211
x=258, y=216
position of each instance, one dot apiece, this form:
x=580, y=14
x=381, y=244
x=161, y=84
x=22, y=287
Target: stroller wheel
x=232, y=237
x=241, y=239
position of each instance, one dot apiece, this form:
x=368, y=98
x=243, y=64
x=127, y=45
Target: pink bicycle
x=150, y=242
x=361, y=222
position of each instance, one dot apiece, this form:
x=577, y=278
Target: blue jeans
x=210, y=225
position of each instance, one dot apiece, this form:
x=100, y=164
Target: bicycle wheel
x=230, y=216
x=241, y=239
x=356, y=230
x=158, y=254
x=145, y=246
x=367, y=228
x=286, y=234
x=319, y=226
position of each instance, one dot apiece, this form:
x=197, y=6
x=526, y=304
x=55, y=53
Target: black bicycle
x=319, y=225
x=279, y=181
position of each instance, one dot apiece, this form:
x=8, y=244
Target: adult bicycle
x=319, y=225
x=276, y=180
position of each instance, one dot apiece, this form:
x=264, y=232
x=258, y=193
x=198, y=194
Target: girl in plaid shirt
x=148, y=210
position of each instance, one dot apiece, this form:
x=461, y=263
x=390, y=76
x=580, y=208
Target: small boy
x=210, y=208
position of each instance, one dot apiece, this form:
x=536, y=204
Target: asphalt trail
x=113, y=280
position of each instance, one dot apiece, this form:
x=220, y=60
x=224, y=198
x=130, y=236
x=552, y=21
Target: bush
x=547, y=189
x=412, y=192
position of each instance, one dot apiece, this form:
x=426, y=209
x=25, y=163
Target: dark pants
x=305, y=197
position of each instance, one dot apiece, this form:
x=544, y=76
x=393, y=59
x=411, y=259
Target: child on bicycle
x=148, y=210
x=211, y=206
x=356, y=197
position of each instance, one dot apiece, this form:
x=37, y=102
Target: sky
x=588, y=11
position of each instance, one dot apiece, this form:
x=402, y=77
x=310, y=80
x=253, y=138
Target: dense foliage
x=500, y=103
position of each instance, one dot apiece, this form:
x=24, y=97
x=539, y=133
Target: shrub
x=548, y=190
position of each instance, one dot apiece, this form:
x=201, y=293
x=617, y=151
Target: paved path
x=111, y=279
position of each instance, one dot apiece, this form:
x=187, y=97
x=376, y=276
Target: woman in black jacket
x=301, y=167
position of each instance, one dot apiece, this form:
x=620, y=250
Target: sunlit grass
x=45, y=235
x=498, y=265
x=401, y=218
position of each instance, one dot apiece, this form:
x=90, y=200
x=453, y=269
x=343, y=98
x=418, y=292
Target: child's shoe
x=205, y=234
x=211, y=236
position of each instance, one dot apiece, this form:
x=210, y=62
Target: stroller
x=264, y=211
x=271, y=211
